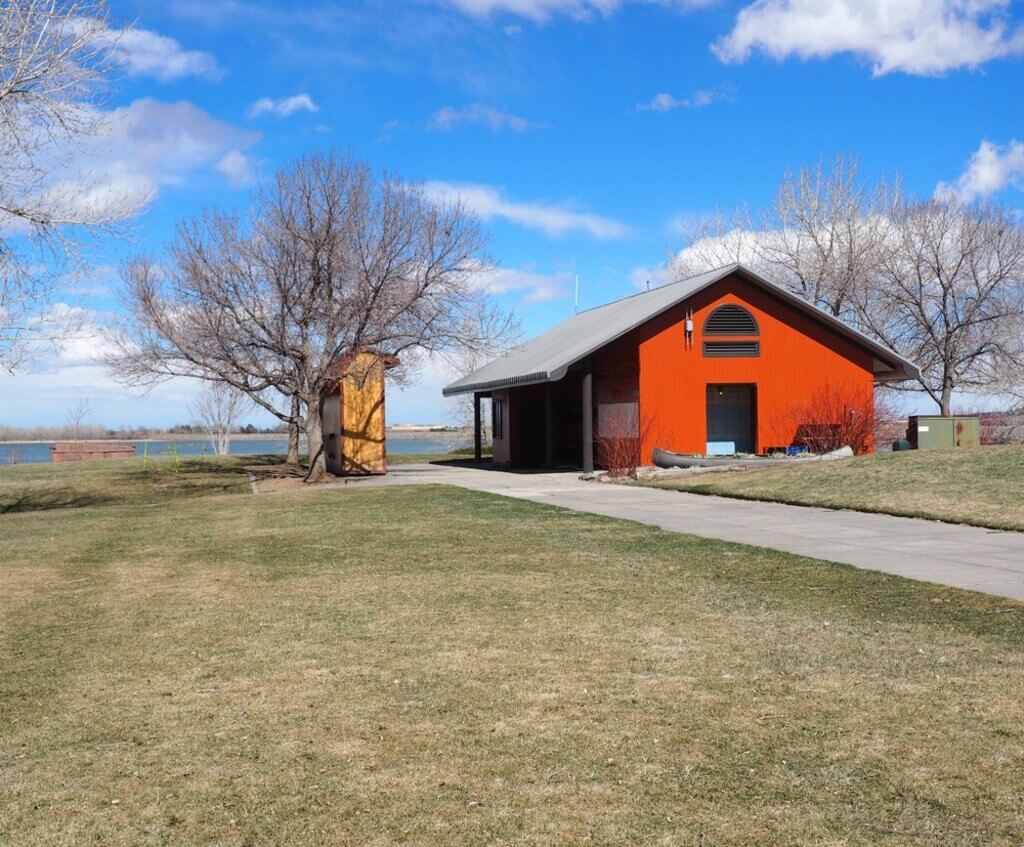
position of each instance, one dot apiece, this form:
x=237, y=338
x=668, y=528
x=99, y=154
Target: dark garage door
x=731, y=415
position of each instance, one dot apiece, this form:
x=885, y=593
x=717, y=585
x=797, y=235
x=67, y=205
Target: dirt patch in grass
x=983, y=486
x=435, y=666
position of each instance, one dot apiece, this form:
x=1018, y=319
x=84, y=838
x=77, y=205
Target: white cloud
x=142, y=52
x=665, y=102
x=283, y=108
x=543, y=10
x=44, y=392
x=237, y=167
x=489, y=203
x=448, y=117
x=390, y=129
x=925, y=37
x=534, y=287
x=141, y=148
x=992, y=168
x=642, y=277
x=738, y=245
x=684, y=223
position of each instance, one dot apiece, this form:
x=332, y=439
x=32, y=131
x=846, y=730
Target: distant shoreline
x=404, y=432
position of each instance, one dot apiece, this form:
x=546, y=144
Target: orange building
x=353, y=415
x=725, y=361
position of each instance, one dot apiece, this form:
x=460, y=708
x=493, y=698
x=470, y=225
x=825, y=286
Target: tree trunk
x=946, y=402
x=293, y=434
x=315, y=444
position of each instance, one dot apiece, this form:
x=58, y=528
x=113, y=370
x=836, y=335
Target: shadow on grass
x=161, y=480
x=50, y=499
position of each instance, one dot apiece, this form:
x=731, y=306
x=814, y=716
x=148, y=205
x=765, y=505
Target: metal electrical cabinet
x=927, y=432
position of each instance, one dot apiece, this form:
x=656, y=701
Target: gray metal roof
x=547, y=357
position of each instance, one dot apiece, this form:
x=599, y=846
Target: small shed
x=353, y=415
x=87, y=451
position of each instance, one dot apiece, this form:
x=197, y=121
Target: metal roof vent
x=730, y=320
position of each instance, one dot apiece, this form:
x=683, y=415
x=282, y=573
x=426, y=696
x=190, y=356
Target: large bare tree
x=54, y=58
x=330, y=259
x=819, y=238
x=948, y=294
x=940, y=283
x=823, y=232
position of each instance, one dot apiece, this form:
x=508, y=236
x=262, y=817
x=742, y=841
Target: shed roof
x=547, y=357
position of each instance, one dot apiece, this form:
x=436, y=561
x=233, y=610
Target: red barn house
x=724, y=357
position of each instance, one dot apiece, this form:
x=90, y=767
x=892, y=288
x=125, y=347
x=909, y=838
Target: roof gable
x=548, y=356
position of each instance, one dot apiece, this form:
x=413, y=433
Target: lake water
x=31, y=453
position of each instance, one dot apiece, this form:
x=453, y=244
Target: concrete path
x=964, y=557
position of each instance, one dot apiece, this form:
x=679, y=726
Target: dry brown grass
x=983, y=486
x=434, y=666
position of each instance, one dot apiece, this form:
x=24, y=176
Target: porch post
x=588, y=417
x=549, y=426
x=477, y=447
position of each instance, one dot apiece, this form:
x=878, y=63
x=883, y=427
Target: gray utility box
x=928, y=432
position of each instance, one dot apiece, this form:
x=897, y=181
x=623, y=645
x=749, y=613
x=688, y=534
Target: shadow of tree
x=43, y=500
x=159, y=481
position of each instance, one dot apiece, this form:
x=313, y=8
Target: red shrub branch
x=619, y=439
x=843, y=416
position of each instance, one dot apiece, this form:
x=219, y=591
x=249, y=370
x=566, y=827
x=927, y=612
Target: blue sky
x=586, y=133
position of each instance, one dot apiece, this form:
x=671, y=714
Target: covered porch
x=564, y=423
x=543, y=425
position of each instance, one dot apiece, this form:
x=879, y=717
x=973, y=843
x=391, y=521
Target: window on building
x=497, y=419
x=736, y=323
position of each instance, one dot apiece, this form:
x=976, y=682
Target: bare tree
x=949, y=295
x=54, y=58
x=217, y=409
x=497, y=332
x=939, y=283
x=331, y=259
x=292, y=458
x=719, y=239
x=79, y=415
x=822, y=235
x=819, y=238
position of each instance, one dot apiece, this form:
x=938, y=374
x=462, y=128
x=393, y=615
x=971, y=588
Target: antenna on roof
x=576, y=306
x=648, y=285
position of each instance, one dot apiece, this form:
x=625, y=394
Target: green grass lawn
x=984, y=486
x=184, y=663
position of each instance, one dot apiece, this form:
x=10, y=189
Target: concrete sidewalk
x=977, y=559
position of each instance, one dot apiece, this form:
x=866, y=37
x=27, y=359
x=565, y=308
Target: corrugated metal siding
x=798, y=358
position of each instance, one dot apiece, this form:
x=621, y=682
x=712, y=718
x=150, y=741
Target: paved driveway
x=965, y=557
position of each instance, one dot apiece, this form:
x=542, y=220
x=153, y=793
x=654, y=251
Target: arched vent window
x=735, y=322
x=730, y=320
